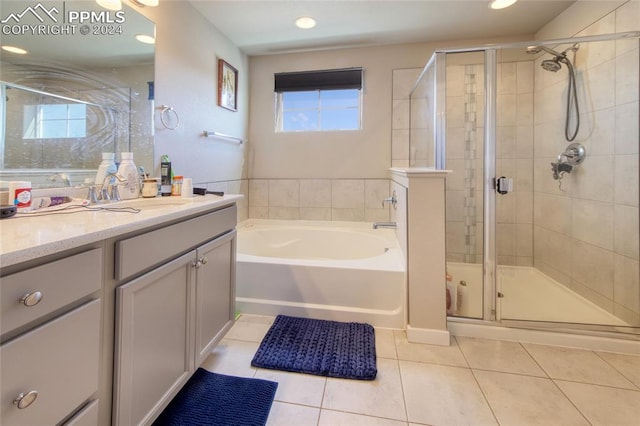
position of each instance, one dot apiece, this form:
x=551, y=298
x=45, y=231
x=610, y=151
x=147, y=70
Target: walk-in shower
x=529, y=245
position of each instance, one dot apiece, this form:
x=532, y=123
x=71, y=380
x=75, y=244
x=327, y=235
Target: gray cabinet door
x=215, y=293
x=57, y=362
x=154, y=346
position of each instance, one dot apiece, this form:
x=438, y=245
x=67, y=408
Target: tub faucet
x=377, y=225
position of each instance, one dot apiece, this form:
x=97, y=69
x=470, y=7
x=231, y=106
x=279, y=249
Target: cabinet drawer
x=141, y=252
x=59, y=361
x=60, y=283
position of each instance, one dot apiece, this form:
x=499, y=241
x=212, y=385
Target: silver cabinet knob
x=203, y=260
x=23, y=400
x=31, y=299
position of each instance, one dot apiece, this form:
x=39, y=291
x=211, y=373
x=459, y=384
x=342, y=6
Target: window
x=318, y=100
x=55, y=121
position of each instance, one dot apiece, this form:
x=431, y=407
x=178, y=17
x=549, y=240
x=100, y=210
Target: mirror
x=84, y=87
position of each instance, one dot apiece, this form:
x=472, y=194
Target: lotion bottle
x=107, y=166
x=129, y=171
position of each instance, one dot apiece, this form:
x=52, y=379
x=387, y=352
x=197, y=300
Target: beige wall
x=187, y=50
x=348, y=166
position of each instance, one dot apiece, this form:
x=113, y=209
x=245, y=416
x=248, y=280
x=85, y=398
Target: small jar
x=176, y=188
x=150, y=187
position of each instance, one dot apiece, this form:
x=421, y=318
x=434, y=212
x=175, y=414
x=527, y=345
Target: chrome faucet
x=377, y=225
x=393, y=200
x=104, y=195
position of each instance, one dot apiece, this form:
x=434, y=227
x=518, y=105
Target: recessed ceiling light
x=501, y=4
x=144, y=38
x=14, y=49
x=305, y=22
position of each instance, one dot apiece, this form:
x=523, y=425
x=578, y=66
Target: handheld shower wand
x=554, y=65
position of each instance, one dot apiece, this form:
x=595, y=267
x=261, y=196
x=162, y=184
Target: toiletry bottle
x=165, y=176
x=176, y=188
x=128, y=170
x=20, y=195
x=107, y=166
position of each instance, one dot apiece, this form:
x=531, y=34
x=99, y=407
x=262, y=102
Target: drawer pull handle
x=31, y=299
x=23, y=400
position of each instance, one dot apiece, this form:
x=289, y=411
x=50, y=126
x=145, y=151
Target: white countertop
x=27, y=237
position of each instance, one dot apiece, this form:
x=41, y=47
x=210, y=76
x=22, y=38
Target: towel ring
x=166, y=110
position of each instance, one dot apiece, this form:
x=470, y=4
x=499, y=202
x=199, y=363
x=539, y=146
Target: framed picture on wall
x=227, y=86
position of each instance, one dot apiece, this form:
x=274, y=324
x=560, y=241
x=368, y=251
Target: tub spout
x=377, y=225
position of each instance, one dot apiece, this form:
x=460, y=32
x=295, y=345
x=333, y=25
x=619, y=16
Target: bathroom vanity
x=105, y=315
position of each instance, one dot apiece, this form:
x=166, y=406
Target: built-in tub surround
x=319, y=199
x=343, y=271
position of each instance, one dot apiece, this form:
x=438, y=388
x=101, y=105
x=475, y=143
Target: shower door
x=566, y=214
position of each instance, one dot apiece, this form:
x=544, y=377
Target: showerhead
x=552, y=65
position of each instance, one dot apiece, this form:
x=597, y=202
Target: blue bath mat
x=218, y=400
x=325, y=348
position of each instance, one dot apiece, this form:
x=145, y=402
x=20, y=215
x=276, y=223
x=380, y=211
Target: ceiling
x=263, y=27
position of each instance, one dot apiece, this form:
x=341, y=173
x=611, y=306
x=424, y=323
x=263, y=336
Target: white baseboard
x=429, y=336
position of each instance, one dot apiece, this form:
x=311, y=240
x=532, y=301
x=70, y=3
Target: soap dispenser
x=129, y=171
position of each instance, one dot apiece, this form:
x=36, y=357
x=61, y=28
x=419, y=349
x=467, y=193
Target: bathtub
x=342, y=271
x=529, y=295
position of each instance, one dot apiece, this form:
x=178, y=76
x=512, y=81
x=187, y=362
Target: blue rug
x=345, y=350
x=217, y=400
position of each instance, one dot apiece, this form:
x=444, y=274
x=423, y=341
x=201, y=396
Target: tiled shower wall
x=319, y=199
x=586, y=235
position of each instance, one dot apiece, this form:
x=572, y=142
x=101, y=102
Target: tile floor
x=472, y=382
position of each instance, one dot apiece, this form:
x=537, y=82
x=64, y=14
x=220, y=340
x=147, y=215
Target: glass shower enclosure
x=542, y=142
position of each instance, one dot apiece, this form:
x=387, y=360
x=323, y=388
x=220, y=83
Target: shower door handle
x=504, y=185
